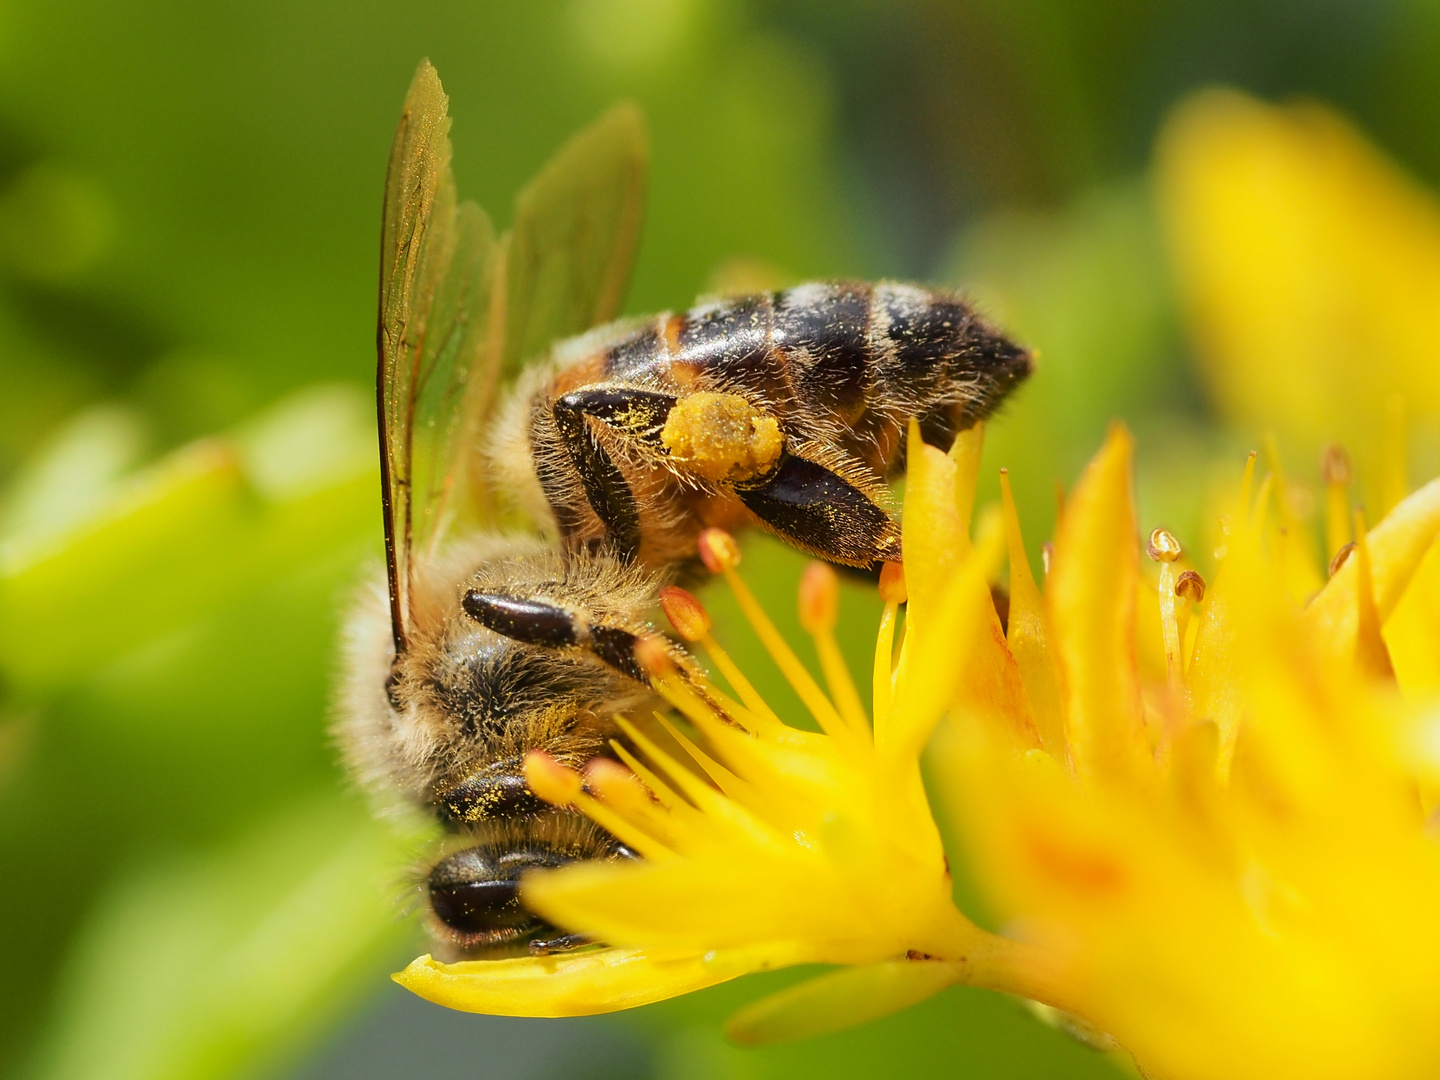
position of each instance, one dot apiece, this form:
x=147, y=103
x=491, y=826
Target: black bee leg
x=562, y=943
x=538, y=622
x=821, y=513
x=605, y=487
x=637, y=414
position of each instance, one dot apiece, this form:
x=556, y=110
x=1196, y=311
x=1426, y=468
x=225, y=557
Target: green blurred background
x=189, y=212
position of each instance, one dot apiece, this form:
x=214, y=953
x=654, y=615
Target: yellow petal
x=573, y=984
x=959, y=659
x=1413, y=630
x=1216, y=686
x=1397, y=546
x=966, y=452
x=1028, y=637
x=1091, y=596
x=934, y=536
x=841, y=999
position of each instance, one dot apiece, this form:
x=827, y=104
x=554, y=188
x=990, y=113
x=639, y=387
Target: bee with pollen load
x=507, y=393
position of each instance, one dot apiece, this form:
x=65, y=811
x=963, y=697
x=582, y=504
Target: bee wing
x=577, y=226
x=437, y=266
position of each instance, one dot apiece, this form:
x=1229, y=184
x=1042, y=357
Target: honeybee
x=611, y=450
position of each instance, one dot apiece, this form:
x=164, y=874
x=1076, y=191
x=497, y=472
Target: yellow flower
x=1310, y=268
x=1231, y=870
x=1226, y=869
x=773, y=845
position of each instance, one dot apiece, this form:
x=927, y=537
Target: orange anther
x=819, y=598
x=892, y=583
x=616, y=784
x=550, y=780
x=718, y=550
x=686, y=614
x=1335, y=465
x=652, y=653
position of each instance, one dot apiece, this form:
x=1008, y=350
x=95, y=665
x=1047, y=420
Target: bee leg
x=823, y=514
x=538, y=622
x=635, y=413
x=605, y=487
x=563, y=943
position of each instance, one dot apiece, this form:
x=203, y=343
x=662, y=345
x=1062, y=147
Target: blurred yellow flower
x=1225, y=867
x=1309, y=266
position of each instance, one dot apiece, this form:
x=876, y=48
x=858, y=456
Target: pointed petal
x=1028, y=637
x=1397, y=546
x=841, y=999
x=1413, y=631
x=1091, y=597
x=966, y=452
x=573, y=984
x=1215, y=676
x=934, y=536
x=960, y=659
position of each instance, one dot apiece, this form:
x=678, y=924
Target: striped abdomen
x=853, y=356
x=786, y=410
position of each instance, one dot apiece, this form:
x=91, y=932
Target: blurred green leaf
x=208, y=965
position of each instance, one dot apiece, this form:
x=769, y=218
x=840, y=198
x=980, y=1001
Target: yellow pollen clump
x=722, y=437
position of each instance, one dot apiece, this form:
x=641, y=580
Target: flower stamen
x=1336, y=472
x=725, y=556
x=563, y=787
x=892, y=592
x=819, y=604
x=1165, y=549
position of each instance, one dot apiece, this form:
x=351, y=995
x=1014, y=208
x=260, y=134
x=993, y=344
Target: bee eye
x=477, y=907
x=475, y=895
x=472, y=894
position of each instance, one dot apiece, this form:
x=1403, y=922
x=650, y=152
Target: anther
x=718, y=550
x=1163, y=547
x=892, y=583
x=1190, y=586
x=686, y=614
x=819, y=598
x=1341, y=557
x=653, y=656
x=616, y=784
x=550, y=780
x=1047, y=556
x=1335, y=465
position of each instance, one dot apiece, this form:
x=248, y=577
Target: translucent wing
x=437, y=263
x=577, y=226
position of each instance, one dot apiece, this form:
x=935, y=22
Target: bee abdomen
x=849, y=346
x=935, y=353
